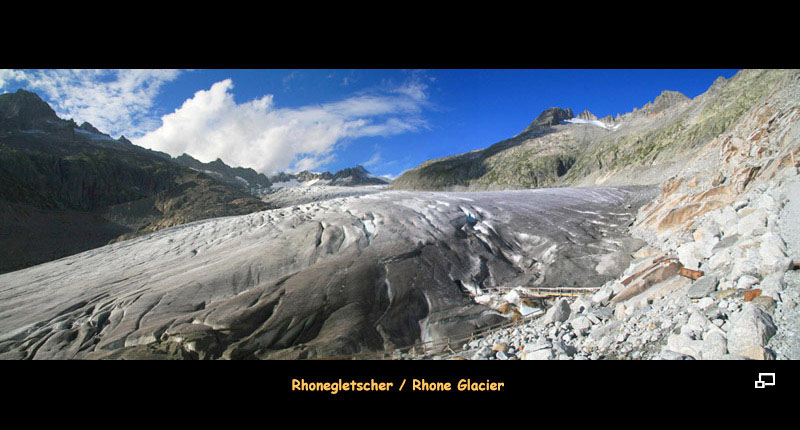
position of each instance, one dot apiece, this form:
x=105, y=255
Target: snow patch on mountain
x=93, y=136
x=592, y=122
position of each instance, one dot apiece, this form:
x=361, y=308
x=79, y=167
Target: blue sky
x=388, y=120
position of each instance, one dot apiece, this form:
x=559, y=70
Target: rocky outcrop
x=355, y=176
x=347, y=177
x=306, y=176
x=664, y=101
x=239, y=177
x=550, y=117
x=760, y=145
x=587, y=116
x=89, y=128
x=24, y=110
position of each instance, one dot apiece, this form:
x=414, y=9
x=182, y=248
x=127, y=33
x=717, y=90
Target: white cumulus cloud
x=8, y=75
x=258, y=134
x=114, y=101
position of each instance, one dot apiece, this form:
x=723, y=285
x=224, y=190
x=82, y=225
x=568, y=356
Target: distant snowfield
x=94, y=136
x=347, y=274
x=593, y=122
x=315, y=190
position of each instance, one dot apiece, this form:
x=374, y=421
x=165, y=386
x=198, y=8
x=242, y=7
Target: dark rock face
x=306, y=176
x=24, y=110
x=282, y=177
x=664, y=101
x=90, y=128
x=226, y=174
x=353, y=176
x=123, y=139
x=703, y=287
x=550, y=117
x=348, y=177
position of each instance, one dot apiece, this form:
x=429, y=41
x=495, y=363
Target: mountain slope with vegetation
x=641, y=147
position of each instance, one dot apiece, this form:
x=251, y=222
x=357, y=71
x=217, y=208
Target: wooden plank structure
x=561, y=291
x=540, y=292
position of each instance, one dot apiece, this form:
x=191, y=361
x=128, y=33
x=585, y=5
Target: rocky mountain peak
x=307, y=175
x=664, y=101
x=90, y=128
x=550, y=117
x=587, y=116
x=243, y=177
x=671, y=96
x=23, y=109
x=358, y=172
x=718, y=83
x=357, y=175
x=218, y=162
x=350, y=176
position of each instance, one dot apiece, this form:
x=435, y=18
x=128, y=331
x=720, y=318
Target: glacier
x=363, y=272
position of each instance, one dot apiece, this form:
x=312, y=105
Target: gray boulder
x=753, y=224
x=714, y=346
x=561, y=347
x=603, y=296
x=581, y=324
x=772, y=285
x=558, y=313
x=703, y=287
x=749, y=332
x=482, y=354
x=541, y=354
x=672, y=355
x=683, y=344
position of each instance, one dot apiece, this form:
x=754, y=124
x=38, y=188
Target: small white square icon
x=765, y=380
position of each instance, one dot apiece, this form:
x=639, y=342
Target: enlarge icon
x=765, y=380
